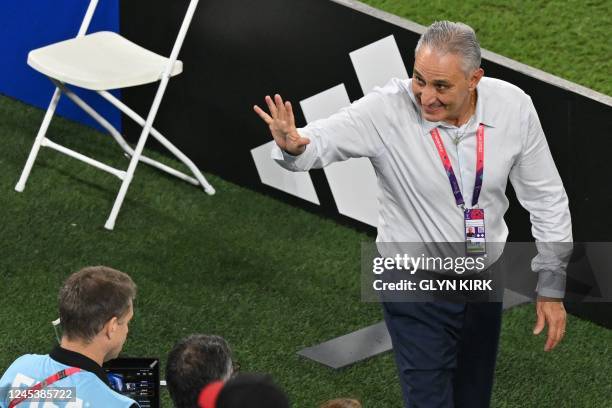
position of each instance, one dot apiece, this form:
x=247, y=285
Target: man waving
x=443, y=145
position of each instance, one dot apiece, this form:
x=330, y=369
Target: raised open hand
x=282, y=125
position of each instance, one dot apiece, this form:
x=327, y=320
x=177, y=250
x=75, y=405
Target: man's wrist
x=548, y=299
x=294, y=154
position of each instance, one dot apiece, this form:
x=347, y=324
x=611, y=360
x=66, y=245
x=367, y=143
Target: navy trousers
x=445, y=352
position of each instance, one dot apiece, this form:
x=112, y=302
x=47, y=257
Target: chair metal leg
x=146, y=130
x=148, y=125
x=119, y=138
x=38, y=141
x=126, y=176
x=182, y=157
x=136, y=153
x=165, y=142
x=96, y=116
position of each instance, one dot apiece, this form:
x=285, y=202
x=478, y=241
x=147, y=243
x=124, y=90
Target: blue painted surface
x=29, y=24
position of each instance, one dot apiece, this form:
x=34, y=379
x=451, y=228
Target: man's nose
x=428, y=96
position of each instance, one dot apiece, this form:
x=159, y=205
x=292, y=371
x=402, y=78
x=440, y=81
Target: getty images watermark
x=421, y=272
x=410, y=265
x=415, y=272
x=406, y=277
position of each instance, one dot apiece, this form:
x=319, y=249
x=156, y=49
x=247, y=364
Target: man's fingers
x=556, y=320
x=561, y=333
x=558, y=336
x=290, y=117
x=556, y=331
x=551, y=340
x=554, y=336
x=539, y=326
x=278, y=101
x=271, y=106
x=262, y=114
x=281, y=121
x=303, y=141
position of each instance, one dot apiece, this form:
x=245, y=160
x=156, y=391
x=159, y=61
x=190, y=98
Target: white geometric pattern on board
x=273, y=175
x=353, y=182
x=377, y=63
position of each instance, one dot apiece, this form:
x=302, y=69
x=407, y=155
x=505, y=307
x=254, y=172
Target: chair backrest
x=178, y=43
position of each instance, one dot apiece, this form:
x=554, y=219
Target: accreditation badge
x=475, y=239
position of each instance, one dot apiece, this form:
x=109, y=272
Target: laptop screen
x=136, y=378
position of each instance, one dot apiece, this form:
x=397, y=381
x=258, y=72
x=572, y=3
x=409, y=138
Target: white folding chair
x=102, y=61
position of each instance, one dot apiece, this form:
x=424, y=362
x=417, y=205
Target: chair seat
x=100, y=61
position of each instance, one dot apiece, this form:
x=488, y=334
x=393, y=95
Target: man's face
x=441, y=86
x=119, y=333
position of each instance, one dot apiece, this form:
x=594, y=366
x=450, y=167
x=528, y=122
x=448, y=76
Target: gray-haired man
x=425, y=138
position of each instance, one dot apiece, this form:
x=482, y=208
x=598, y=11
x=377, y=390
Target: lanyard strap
x=45, y=383
x=448, y=167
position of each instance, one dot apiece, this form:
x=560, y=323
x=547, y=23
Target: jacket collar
x=74, y=359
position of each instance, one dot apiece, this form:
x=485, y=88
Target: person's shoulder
x=393, y=95
x=377, y=101
x=395, y=86
x=27, y=359
x=31, y=357
x=19, y=365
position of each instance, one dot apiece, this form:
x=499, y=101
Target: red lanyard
x=448, y=167
x=45, y=383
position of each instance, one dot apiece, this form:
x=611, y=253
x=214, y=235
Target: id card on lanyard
x=473, y=218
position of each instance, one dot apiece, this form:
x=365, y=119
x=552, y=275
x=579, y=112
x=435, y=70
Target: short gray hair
x=454, y=38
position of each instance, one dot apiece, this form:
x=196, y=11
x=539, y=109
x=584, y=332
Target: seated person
x=95, y=308
x=194, y=362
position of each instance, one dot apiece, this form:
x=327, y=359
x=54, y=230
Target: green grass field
x=269, y=277
x=228, y=265
x=568, y=38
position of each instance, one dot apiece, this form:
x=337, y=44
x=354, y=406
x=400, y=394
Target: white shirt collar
x=483, y=113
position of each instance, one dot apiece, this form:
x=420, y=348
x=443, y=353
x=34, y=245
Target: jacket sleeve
x=540, y=191
x=349, y=133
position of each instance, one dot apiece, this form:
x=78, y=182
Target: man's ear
x=476, y=76
x=110, y=327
